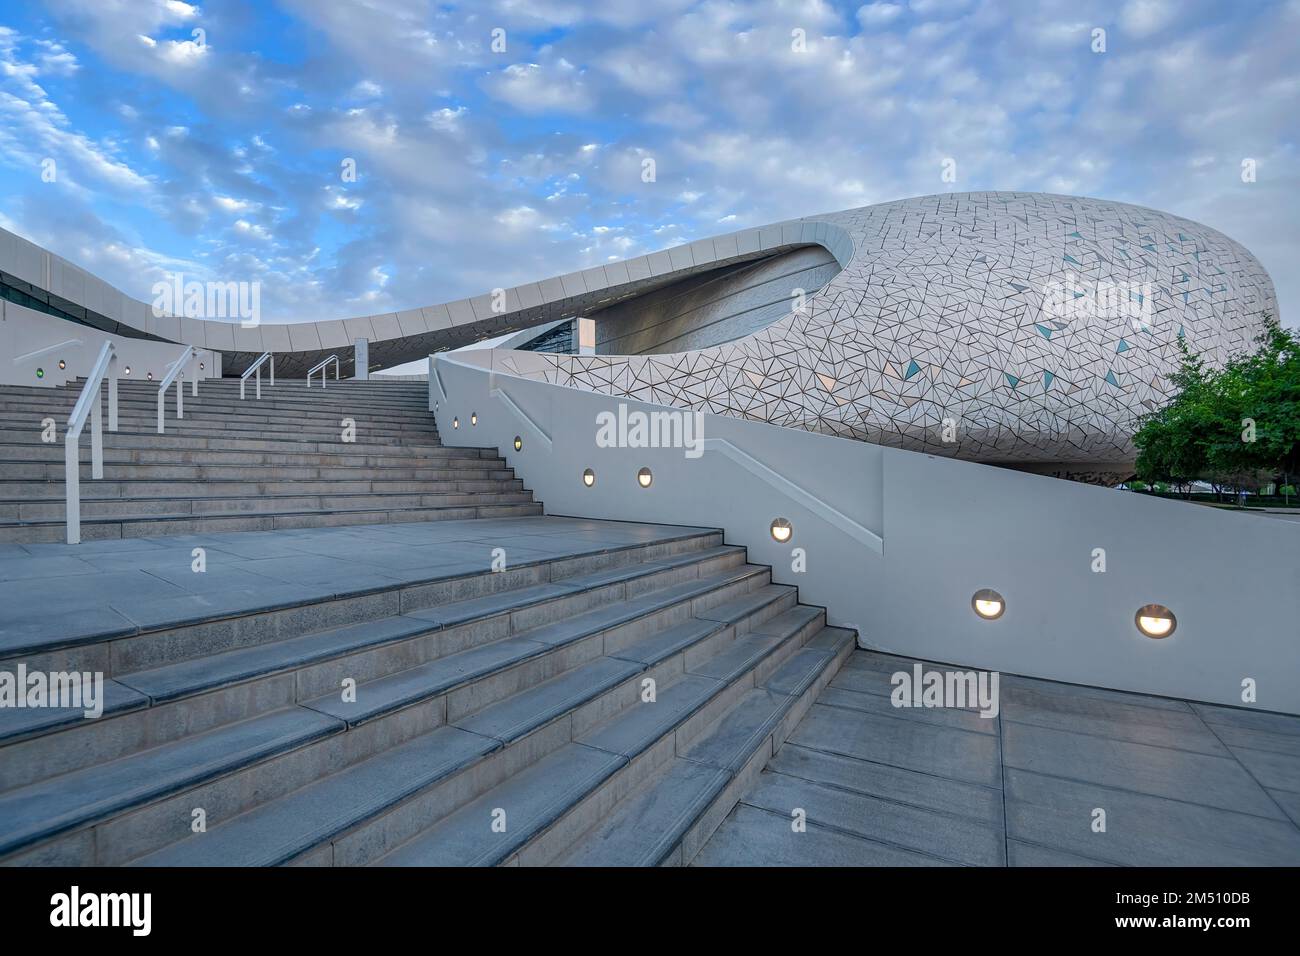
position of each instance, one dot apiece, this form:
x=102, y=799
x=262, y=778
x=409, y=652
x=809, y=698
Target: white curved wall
x=943, y=529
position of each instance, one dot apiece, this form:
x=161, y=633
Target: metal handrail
x=174, y=374
x=322, y=367
x=257, y=367
x=88, y=402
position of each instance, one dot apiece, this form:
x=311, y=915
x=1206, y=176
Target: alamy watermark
x=958, y=689
x=662, y=428
x=208, y=300
x=1073, y=297
x=65, y=689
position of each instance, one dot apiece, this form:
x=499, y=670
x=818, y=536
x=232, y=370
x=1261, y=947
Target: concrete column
x=361, y=349
x=586, y=336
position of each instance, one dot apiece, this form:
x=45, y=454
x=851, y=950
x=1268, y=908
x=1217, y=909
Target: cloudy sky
x=212, y=138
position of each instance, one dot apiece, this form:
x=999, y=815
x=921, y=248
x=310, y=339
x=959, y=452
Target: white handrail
x=191, y=353
x=257, y=367
x=88, y=402
x=322, y=367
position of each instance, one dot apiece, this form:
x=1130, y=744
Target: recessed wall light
x=781, y=530
x=644, y=477
x=1155, y=620
x=127, y=370
x=40, y=373
x=150, y=376
x=988, y=604
x=519, y=443
x=473, y=418
x=455, y=423
x=62, y=364
x=588, y=477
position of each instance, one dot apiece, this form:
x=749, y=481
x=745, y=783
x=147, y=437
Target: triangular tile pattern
x=1044, y=324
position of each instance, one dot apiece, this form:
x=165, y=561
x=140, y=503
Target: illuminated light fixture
x=781, y=530
x=455, y=423
x=519, y=443
x=588, y=477
x=127, y=370
x=644, y=478
x=62, y=364
x=201, y=366
x=988, y=604
x=149, y=375
x=473, y=418
x=40, y=373
x=1155, y=620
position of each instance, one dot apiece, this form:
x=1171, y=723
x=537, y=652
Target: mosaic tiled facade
x=1037, y=328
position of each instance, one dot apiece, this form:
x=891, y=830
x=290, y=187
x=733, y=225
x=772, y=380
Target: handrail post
x=259, y=382
x=272, y=372
x=97, y=435
x=161, y=400
x=180, y=395
x=112, y=393
x=194, y=374
x=72, y=487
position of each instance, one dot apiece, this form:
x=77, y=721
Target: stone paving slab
x=1181, y=783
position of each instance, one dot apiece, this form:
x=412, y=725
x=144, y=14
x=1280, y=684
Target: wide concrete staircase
x=243, y=465
x=605, y=707
x=604, y=703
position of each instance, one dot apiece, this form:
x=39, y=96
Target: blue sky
x=219, y=153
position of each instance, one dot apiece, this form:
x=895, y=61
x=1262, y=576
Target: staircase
x=603, y=701
x=250, y=465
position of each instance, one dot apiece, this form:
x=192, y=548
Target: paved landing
x=1180, y=783
x=59, y=592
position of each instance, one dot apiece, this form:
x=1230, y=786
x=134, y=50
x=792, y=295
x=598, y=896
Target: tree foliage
x=1237, y=426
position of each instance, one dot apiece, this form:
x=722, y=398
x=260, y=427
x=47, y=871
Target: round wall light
x=202, y=366
x=40, y=373
x=62, y=364
x=149, y=376
x=988, y=604
x=127, y=370
x=781, y=530
x=644, y=478
x=588, y=477
x=455, y=423
x=1155, y=620
x=473, y=418
x=519, y=443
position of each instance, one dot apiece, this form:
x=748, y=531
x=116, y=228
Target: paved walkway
x=59, y=592
x=1180, y=783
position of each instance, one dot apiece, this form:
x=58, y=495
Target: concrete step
x=178, y=471
x=146, y=526
x=196, y=648
x=668, y=819
x=74, y=801
x=26, y=510
x=31, y=490
x=169, y=683
x=561, y=796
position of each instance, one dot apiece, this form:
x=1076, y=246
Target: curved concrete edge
x=946, y=528
x=409, y=334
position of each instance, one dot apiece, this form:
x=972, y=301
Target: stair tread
x=796, y=675
x=729, y=612
x=19, y=722
x=527, y=710
x=276, y=832
x=733, y=740
x=386, y=694
x=75, y=799
x=637, y=728
x=646, y=827
x=219, y=670
x=532, y=799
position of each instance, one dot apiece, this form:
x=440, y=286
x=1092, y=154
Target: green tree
x=1238, y=426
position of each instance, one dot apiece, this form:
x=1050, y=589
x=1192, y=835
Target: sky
x=503, y=141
